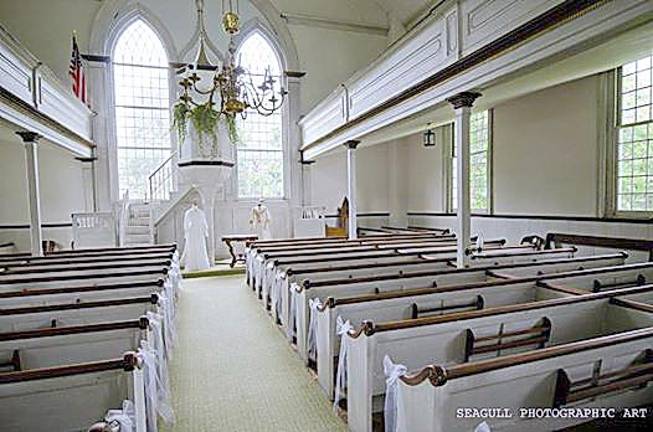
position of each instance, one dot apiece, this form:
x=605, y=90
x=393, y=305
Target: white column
x=462, y=104
x=307, y=198
x=294, y=141
x=32, y=164
x=351, y=187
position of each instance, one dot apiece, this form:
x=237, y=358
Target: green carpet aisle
x=233, y=371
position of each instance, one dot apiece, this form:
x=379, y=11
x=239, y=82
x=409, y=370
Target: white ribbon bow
x=314, y=304
x=124, y=418
x=342, y=328
x=158, y=401
x=392, y=373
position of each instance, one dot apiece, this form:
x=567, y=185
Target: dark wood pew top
x=370, y=328
x=91, y=253
x=86, y=260
x=154, y=284
x=128, y=363
x=142, y=323
x=354, y=243
x=152, y=299
x=378, y=253
x=332, y=301
x=420, y=261
x=163, y=270
x=426, y=246
x=439, y=375
x=74, y=267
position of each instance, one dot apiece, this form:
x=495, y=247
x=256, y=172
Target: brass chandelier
x=232, y=84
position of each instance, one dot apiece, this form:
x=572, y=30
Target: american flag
x=76, y=72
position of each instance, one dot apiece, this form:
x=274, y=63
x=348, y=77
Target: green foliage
x=180, y=114
x=232, y=128
x=205, y=120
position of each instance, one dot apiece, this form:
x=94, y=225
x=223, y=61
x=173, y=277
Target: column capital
x=352, y=144
x=463, y=99
x=28, y=137
x=86, y=159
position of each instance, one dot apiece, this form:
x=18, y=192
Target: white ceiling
x=369, y=12
x=405, y=11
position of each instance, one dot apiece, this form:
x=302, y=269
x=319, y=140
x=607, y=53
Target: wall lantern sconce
x=428, y=138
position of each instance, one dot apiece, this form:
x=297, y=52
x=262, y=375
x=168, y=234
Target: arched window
x=142, y=103
x=260, y=150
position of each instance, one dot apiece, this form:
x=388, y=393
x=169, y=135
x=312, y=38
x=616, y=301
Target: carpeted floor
x=233, y=370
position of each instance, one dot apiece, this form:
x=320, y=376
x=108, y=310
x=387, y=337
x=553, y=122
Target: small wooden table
x=235, y=238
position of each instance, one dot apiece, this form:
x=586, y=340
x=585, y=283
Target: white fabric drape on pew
x=342, y=329
x=312, y=328
x=124, y=418
x=392, y=374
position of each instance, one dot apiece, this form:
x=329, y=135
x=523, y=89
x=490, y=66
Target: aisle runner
x=233, y=371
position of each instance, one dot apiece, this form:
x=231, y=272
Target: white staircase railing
x=163, y=180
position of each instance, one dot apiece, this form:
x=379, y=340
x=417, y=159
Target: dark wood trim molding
x=96, y=58
x=294, y=74
x=228, y=164
x=553, y=17
x=535, y=217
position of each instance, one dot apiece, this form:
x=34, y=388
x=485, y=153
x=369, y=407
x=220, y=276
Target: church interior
x=326, y=215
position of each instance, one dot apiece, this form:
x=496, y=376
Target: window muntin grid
x=635, y=137
x=260, y=167
x=142, y=101
x=479, y=145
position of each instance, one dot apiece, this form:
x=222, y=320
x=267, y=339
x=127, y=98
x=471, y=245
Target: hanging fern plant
x=180, y=114
x=232, y=128
x=205, y=121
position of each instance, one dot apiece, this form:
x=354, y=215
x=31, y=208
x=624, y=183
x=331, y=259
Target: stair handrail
x=162, y=180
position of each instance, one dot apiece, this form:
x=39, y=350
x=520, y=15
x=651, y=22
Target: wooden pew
x=613, y=369
x=90, y=253
x=71, y=397
x=273, y=277
x=401, y=304
x=256, y=260
x=286, y=275
x=254, y=248
x=300, y=313
x=77, y=268
x=46, y=296
x=21, y=318
x=447, y=339
x=270, y=265
x=49, y=347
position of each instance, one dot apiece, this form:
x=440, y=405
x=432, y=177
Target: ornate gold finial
x=231, y=22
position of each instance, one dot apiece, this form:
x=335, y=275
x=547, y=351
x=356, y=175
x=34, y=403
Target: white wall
x=546, y=151
x=374, y=170
x=61, y=190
